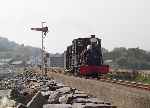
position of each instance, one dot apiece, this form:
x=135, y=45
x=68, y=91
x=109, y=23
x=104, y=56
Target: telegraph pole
x=44, y=31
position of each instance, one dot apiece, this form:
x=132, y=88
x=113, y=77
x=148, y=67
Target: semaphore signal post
x=44, y=30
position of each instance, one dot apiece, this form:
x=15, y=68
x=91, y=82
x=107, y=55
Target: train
x=84, y=57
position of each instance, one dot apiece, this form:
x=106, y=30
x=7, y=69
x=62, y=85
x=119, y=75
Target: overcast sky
x=118, y=22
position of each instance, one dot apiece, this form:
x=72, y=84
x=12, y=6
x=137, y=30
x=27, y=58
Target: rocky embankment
x=31, y=90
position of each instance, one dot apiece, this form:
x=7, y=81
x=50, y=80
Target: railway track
x=132, y=84
x=137, y=85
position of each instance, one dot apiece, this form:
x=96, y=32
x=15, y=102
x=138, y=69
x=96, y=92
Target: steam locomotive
x=84, y=57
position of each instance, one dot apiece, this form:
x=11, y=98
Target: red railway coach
x=84, y=57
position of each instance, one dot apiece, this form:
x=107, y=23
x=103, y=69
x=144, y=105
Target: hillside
x=10, y=49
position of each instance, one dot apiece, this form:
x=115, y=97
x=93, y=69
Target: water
x=5, y=102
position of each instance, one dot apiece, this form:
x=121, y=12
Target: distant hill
x=10, y=49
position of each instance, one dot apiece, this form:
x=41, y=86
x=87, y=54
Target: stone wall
x=120, y=96
x=37, y=101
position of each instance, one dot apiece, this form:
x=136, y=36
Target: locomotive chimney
x=92, y=36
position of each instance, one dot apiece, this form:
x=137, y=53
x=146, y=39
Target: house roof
x=17, y=62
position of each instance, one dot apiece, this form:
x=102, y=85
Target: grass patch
x=138, y=78
x=142, y=79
